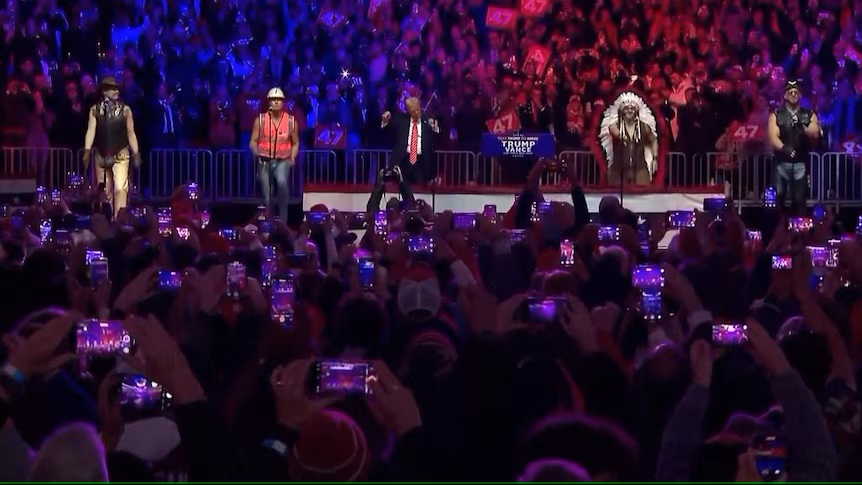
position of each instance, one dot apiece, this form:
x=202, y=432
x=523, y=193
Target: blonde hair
x=73, y=454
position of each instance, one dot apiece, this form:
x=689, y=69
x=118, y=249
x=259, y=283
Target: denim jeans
x=792, y=179
x=267, y=169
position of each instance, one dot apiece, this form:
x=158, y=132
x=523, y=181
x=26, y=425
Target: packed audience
x=173, y=344
x=195, y=71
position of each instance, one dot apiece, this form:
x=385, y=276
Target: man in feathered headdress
x=628, y=136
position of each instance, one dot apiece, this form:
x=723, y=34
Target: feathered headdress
x=611, y=116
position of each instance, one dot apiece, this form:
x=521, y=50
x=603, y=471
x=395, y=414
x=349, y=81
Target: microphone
x=270, y=109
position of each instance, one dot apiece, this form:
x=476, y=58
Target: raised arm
x=130, y=130
x=255, y=135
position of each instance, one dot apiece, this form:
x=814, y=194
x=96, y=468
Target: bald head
x=414, y=109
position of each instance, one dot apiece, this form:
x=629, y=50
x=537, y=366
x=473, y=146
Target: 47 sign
x=501, y=18
x=330, y=137
x=506, y=122
x=535, y=8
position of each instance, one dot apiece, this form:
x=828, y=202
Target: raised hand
x=392, y=404
x=293, y=407
x=37, y=354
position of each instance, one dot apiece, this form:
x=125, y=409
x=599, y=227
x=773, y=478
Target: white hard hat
x=275, y=93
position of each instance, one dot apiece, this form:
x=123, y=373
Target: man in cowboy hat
x=792, y=132
x=111, y=128
x=275, y=144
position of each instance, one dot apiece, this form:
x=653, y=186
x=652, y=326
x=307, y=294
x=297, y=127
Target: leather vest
x=793, y=135
x=111, y=133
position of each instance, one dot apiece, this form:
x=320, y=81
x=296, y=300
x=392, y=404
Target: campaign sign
x=330, y=137
x=519, y=144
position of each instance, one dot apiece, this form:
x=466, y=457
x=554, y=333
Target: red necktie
x=414, y=142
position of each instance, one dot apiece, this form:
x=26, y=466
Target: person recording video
x=275, y=145
x=793, y=132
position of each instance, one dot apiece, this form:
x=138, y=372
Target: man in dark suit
x=415, y=138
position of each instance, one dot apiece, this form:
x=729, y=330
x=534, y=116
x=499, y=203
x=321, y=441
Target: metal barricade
x=363, y=165
x=49, y=166
x=319, y=167
x=746, y=176
x=586, y=167
x=171, y=167
x=233, y=176
x=489, y=172
x=699, y=171
x=457, y=168
x=841, y=177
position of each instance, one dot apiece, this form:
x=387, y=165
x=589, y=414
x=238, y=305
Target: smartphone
x=261, y=212
x=534, y=213
x=770, y=198
x=282, y=299
x=163, y=217
x=366, y=273
x=714, y=204
x=141, y=397
x=567, y=253
x=819, y=256
x=649, y=278
x=381, y=223
x=268, y=267
x=45, y=230
x=651, y=305
x=782, y=261
x=269, y=252
x=74, y=181
x=544, y=310
x=543, y=208
x=680, y=219
x=102, y=338
x=832, y=257
x=170, y=280
x=464, y=221
x=770, y=454
x=609, y=233
x=41, y=194
x=819, y=213
x=205, y=218
x=729, y=334
x=183, y=233
x=193, y=192
x=392, y=237
x=236, y=279
x=63, y=240
x=265, y=227
x=754, y=235
x=490, y=211
x=139, y=212
x=17, y=222
x=339, y=376
x=799, y=224
x=420, y=244
x=98, y=270
x=644, y=233
x=859, y=226
x=229, y=234
x=318, y=217
x=517, y=236
x=55, y=197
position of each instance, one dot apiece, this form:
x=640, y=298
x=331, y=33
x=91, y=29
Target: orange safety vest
x=274, y=136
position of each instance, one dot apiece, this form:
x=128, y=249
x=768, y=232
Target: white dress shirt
x=418, y=136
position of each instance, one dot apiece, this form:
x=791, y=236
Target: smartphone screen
x=229, y=234
x=163, y=218
x=490, y=211
x=648, y=278
x=261, y=213
x=55, y=197
x=205, y=218
x=269, y=252
x=183, y=233
x=282, y=300
x=41, y=195
x=268, y=268
x=366, y=273
x=859, y=226
x=534, y=213
x=265, y=227
x=102, y=338
x=832, y=257
x=141, y=397
x=193, y=191
x=644, y=236
x=567, y=253
x=714, y=204
x=63, y=240
x=93, y=254
x=45, y=230
x=819, y=213
x=74, y=181
x=819, y=256
x=544, y=310
x=782, y=261
x=799, y=224
x=517, y=236
x=770, y=454
x=336, y=377
x=609, y=233
x=680, y=219
x=236, y=279
x=652, y=307
x=729, y=334
x=420, y=244
x=170, y=280
x=770, y=198
x=464, y=221
x=754, y=235
x=381, y=224
x=317, y=217
x=98, y=269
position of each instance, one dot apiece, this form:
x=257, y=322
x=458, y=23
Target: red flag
x=501, y=18
x=535, y=8
x=330, y=137
x=537, y=59
x=506, y=122
x=330, y=18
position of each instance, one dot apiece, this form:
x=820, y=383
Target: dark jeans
x=792, y=178
x=268, y=169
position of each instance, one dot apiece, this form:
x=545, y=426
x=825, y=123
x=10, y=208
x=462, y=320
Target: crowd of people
x=531, y=346
x=195, y=71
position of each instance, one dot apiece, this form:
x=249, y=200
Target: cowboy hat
x=109, y=82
